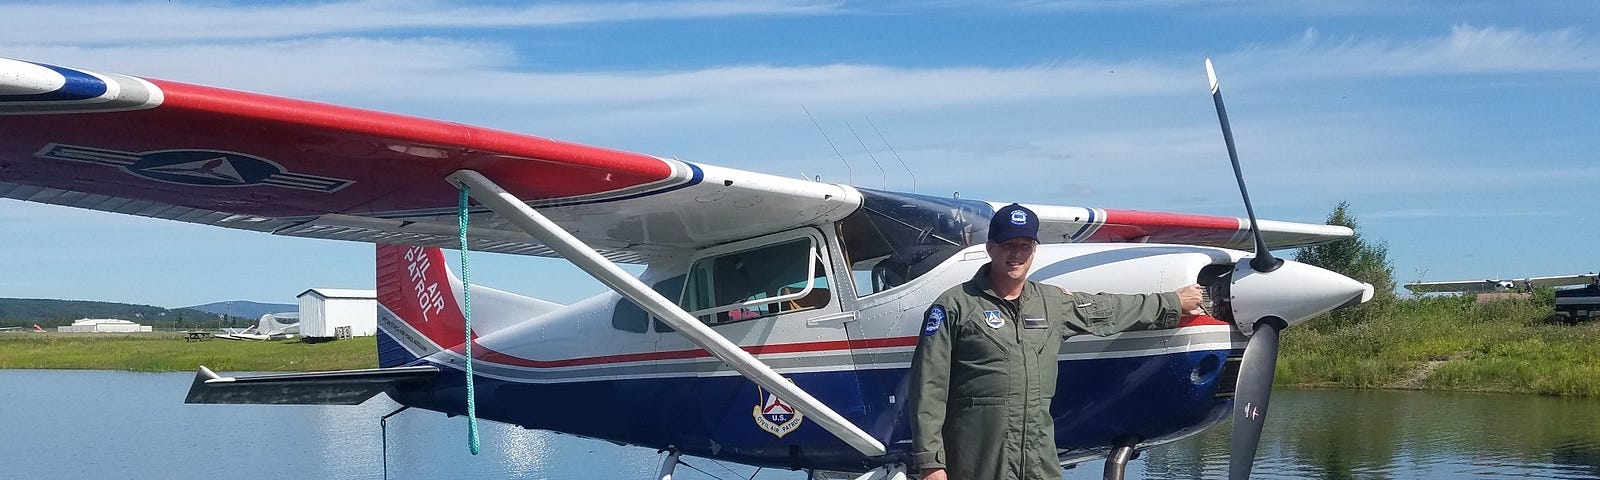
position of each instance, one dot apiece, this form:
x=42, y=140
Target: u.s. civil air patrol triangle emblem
x=205, y=168
x=993, y=318
x=775, y=416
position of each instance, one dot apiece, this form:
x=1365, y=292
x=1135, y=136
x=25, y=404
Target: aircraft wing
x=1560, y=280
x=1462, y=286
x=217, y=157
x=344, y=387
x=238, y=160
x=1076, y=224
x=1486, y=286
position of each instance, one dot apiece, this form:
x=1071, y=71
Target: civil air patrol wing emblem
x=774, y=415
x=993, y=318
x=203, y=168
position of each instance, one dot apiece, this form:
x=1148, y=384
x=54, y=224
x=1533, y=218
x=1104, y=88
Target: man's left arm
x=1106, y=314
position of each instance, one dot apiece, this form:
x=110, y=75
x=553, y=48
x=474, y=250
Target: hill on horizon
x=52, y=313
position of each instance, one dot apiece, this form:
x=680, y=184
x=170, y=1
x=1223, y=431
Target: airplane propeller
x=1254, y=388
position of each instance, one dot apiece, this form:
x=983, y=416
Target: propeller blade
x=1264, y=261
x=1251, y=396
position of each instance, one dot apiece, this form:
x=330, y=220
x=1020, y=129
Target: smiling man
x=985, y=367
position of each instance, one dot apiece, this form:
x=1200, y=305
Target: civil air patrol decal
x=205, y=168
x=993, y=318
x=935, y=320
x=775, y=416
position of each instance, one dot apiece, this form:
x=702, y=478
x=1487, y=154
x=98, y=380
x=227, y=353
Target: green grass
x=168, y=352
x=1448, y=343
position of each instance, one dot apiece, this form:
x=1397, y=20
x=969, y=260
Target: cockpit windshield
x=896, y=237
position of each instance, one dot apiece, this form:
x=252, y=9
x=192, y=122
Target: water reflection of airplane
x=775, y=319
x=1572, y=304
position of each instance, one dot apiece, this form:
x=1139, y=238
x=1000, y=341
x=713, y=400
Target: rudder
x=418, y=314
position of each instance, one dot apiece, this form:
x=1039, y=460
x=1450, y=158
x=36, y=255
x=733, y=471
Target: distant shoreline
x=170, y=352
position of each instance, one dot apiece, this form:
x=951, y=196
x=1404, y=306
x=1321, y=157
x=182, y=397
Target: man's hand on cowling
x=1189, y=300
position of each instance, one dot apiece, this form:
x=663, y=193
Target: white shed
x=327, y=313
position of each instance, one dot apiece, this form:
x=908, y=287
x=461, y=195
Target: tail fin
x=419, y=305
x=417, y=308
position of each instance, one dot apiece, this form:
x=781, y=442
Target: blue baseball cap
x=1013, y=221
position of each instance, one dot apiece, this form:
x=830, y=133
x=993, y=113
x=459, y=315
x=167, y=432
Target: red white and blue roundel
x=205, y=168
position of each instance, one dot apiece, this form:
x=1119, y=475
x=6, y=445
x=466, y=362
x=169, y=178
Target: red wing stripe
x=1131, y=225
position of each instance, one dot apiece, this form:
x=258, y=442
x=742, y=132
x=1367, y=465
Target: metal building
x=329, y=313
x=103, y=325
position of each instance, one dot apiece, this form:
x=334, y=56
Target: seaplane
x=1572, y=304
x=774, y=320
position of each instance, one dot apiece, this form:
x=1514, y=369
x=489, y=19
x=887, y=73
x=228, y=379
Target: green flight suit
x=984, y=372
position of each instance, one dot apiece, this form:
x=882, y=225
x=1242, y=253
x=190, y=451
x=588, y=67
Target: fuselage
x=836, y=309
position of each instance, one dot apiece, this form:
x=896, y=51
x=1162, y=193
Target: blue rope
x=466, y=307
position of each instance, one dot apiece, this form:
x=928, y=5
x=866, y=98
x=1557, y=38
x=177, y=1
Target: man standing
x=984, y=370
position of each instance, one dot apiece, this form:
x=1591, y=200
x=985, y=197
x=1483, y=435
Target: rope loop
x=466, y=307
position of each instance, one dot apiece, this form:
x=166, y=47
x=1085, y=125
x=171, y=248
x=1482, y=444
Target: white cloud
x=1206, y=7
x=433, y=69
x=1465, y=50
x=156, y=22
x=1430, y=213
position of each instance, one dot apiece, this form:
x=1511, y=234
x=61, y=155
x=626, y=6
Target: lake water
x=98, y=424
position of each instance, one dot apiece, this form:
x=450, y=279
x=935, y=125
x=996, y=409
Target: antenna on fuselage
x=850, y=175
x=874, y=158
x=896, y=154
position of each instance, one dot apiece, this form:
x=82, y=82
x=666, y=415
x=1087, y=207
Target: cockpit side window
x=896, y=237
x=756, y=283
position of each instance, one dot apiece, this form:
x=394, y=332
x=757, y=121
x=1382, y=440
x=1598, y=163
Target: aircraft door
x=776, y=297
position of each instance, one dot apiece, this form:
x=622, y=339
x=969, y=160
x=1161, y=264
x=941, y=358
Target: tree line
x=25, y=312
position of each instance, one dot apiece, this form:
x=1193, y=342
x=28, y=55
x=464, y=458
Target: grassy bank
x=168, y=352
x=1445, y=343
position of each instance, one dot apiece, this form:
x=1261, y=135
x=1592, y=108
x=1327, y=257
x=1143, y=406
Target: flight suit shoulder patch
x=934, y=320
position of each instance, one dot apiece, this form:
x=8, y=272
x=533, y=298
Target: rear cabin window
x=629, y=317
x=746, y=278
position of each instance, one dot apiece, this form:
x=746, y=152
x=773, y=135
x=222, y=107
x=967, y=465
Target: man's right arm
x=930, y=384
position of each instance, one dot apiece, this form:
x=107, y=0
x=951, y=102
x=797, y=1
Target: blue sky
x=1463, y=134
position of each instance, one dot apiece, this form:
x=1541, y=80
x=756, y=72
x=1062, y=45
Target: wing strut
x=608, y=273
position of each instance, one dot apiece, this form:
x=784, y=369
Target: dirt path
x=1414, y=382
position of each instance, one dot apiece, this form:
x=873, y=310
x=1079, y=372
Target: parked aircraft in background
x=775, y=319
x=1572, y=304
x=272, y=326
